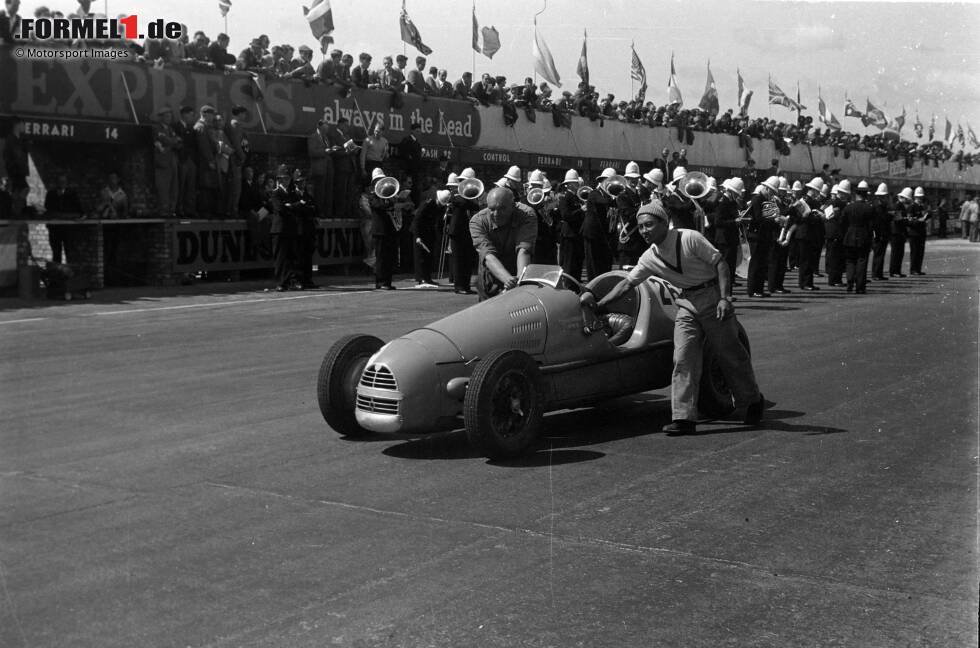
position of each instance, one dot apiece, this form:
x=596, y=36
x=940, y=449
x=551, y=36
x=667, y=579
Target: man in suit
x=410, y=151
x=166, y=143
x=464, y=255
x=285, y=227
x=187, y=164
x=362, y=76
x=344, y=169
x=808, y=234
x=415, y=80
x=17, y=165
x=761, y=234
x=238, y=141
x=207, y=167
x=384, y=233
x=463, y=89
x=319, y=148
x=59, y=204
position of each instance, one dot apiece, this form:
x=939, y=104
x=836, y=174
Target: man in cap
x=899, y=233
x=808, y=234
x=881, y=232
x=857, y=221
x=919, y=215
x=504, y=235
x=571, y=211
x=705, y=315
x=630, y=244
x=302, y=65
x=304, y=211
x=166, y=144
x=250, y=59
x=834, y=234
x=512, y=180
x=284, y=231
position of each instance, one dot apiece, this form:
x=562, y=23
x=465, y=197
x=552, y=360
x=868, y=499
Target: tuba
x=387, y=188
x=470, y=188
x=582, y=193
x=535, y=196
x=693, y=185
x=614, y=185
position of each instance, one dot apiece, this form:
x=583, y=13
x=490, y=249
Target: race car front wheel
x=504, y=404
x=715, y=398
x=336, y=386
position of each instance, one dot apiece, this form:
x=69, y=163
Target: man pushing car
x=503, y=235
x=687, y=260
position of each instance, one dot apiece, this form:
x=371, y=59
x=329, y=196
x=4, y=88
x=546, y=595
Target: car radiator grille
x=377, y=405
x=379, y=377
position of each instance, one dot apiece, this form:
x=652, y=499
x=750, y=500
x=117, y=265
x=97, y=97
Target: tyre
x=336, y=387
x=715, y=398
x=504, y=404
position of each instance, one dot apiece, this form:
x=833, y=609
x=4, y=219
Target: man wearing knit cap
x=705, y=314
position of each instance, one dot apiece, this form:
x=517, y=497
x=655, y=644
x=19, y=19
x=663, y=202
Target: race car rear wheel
x=715, y=398
x=336, y=387
x=504, y=404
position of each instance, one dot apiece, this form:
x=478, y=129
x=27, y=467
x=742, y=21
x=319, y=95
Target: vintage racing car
x=503, y=363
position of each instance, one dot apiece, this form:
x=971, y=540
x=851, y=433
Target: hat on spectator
x=468, y=172
x=452, y=180
x=632, y=170
x=797, y=186
x=772, y=182
x=882, y=190
x=654, y=176
x=443, y=196
x=608, y=172
x=817, y=184
x=679, y=172
x=207, y=108
x=305, y=48
x=572, y=177
x=906, y=193
x=844, y=187
x=282, y=171
x=920, y=192
x=654, y=208
x=377, y=174
x=513, y=174
x=536, y=178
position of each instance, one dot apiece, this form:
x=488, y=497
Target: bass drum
x=715, y=398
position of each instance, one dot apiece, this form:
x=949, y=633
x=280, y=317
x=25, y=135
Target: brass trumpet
x=387, y=188
x=535, y=196
x=582, y=193
x=470, y=188
x=614, y=185
x=693, y=185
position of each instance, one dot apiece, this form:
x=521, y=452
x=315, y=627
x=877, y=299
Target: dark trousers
x=917, y=252
x=423, y=261
x=793, y=259
x=464, y=258
x=305, y=247
x=878, y=249
x=835, y=261
x=385, y=250
x=571, y=253
x=898, y=254
x=598, y=257
x=284, y=256
x=819, y=251
x=809, y=258
x=187, y=180
x=856, y=264
x=322, y=189
x=758, y=266
x=730, y=254
x=343, y=190
x=777, y=267
x=57, y=240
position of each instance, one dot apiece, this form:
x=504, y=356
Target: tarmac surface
x=167, y=480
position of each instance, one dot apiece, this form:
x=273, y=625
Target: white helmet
x=608, y=172
x=863, y=186
x=783, y=183
x=377, y=174
x=906, y=193
x=654, y=176
x=772, y=183
x=443, y=196
x=632, y=170
x=452, y=180
x=817, y=184
x=882, y=190
x=835, y=190
x=797, y=186
x=920, y=192
x=735, y=185
x=844, y=187
x=536, y=178
x=571, y=176
x=513, y=174
x=467, y=173
x=679, y=172
x=501, y=182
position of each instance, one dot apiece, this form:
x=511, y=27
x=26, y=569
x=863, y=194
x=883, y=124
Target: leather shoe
x=680, y=426
x=753, y=413
x=809, y=288
x=897, y=275
x=463, y=292
x=388, y=287
x=783, y=291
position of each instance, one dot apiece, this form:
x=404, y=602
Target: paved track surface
x=167, y=480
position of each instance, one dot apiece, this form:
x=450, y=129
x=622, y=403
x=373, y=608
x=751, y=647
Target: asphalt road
x=167, y=480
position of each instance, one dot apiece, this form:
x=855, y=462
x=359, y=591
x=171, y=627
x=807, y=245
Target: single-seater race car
x=503, y=363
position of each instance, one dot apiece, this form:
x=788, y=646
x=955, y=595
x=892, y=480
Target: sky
x=923, y=56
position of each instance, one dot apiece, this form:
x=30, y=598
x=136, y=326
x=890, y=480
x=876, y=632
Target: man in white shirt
x=688, y=261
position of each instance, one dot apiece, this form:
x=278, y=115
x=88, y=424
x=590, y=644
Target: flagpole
x=632, y=47
x=473, y=50
x=770, y=96
x=536, y=35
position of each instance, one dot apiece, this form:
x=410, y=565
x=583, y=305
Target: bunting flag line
x=319, y=17
x=582, y=70
x=544, y=64
x=673, y=92
x=709, y=101
x=744, y=96
x=410, y=33
x=850, y=110
x=825, y=115
x=778, y=97
x=932, y=127
x=638, y=73
x=874, y=117
x=917, y=126
x=224, y=6
x=974, y=142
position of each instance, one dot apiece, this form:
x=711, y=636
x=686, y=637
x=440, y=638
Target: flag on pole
x=744, y=96
x=673, y=92
x=476, y=33
x=489, y=36
x=778, y=97
x=709, y=101
x=320, y=18
x=917, y=126
x=932, y=127
x=959, y=134
x=799, y=104
x=582, y=70
x=874, y=117
x=544, y=64
x=974, y=142
x=850, y=110
x=825, y=115
x=410, y=33
x=638, y=73
x=947, y=136
x=224, y=6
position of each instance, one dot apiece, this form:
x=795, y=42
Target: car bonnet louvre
x=378, y=376
x=528, y=328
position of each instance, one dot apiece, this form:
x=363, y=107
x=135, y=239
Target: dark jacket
x=571, y=213
x=320, y=161
x=66, y=202
x=725, y=227
x=410, y=150
x=595, y=225
x=857, y=222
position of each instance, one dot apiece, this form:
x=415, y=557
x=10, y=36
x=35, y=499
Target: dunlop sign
x=234, y=246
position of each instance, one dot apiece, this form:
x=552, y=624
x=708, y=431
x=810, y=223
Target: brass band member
x=595, y=225
x=629, y=243
x=384, y=233
x=541, y=201
x=725, y=235
x=571, y=212
x=761, y=234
